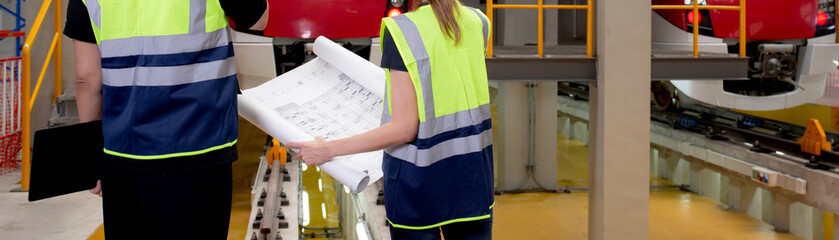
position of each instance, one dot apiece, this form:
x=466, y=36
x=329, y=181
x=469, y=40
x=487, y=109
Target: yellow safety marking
x=283, y=152
x=814, y=140
x=98, y=234
x=828, y=225
x=271, y=154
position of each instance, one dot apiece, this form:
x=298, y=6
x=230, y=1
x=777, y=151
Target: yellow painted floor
x=673, y=214
x=572, y=162
x=249, y=146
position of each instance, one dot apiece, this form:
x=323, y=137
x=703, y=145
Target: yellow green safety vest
x=168, y=75
x=446, y=174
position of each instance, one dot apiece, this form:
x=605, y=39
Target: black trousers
x=472, y=230
x=190, y=204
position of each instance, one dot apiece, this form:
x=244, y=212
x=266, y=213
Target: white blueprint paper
x=336, y=95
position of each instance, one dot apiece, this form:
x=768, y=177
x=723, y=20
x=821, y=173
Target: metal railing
x=696, y=7
x=28, y=102
x=589, y=7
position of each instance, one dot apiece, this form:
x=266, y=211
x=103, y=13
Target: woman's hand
x=313, y=153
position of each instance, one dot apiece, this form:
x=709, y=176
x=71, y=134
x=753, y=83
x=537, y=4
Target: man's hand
x=98, y=189
x=313, y=153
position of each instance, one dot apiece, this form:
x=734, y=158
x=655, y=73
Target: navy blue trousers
x=473, y=230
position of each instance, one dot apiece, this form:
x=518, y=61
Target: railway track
x=759, y=134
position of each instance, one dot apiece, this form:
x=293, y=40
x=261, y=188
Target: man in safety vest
x=161, y=76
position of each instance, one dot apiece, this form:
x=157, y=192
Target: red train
x=334, y=19
x=791, y=45
x=293, y=24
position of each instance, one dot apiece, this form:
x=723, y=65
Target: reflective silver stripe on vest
x=454, y=121
x=385, y=107
x=449, y=148
x=486, y=27
x=197, y=15
x=414, y=40
x=95, y=12
x=169, y=76
x=155, y=45
x=448, y=122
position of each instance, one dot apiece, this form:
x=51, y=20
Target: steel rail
x=761, y=141
x=272, y=206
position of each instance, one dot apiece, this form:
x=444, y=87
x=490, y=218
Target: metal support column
x=619, y=172
x=781, y=213
x=527, y=143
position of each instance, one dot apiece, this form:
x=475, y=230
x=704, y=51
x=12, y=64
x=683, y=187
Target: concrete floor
x=73, y=216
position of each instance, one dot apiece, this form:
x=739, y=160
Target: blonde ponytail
x=445, y=11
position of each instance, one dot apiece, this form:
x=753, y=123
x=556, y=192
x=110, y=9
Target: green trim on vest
x=171, y=155
x=144, y=18
x=387, y=90
x=469, y=219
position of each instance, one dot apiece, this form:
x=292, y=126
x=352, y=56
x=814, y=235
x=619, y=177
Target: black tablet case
x=65, y=160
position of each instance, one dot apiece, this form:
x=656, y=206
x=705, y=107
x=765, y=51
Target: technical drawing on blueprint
x=336, y=95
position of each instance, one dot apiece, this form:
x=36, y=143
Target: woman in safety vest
x=436, y=129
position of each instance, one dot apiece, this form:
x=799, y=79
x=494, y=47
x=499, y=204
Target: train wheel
x=663, y=99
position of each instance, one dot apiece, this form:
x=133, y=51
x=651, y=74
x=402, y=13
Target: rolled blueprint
x=336, y=95
x=350, y=63
x=285, y=132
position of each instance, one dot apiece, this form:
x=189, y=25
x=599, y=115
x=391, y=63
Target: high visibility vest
x=169, y=77
x=446, y=174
